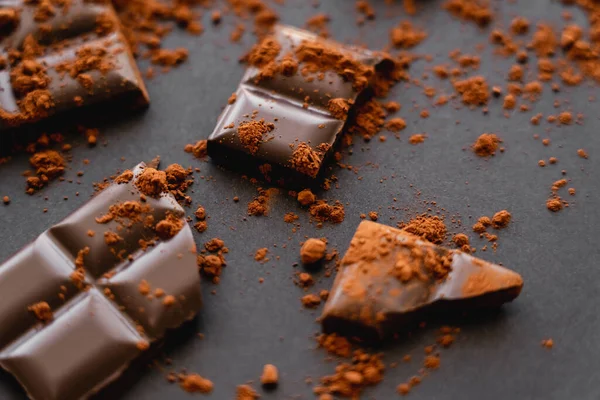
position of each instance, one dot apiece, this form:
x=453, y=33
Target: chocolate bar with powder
x=388, y=278
x=93, y=291
x=58, y=56
x=291, y=105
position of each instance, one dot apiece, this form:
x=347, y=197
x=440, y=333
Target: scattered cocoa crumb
x=474, y=91
x=261, y=254
x=42, y=311
x=486, y=145
x=406, y=36
x=245, y=392
x=199, y=149
x=270, y=375
x=311, y=300
x=548, y=343
x=501, y=219
x=417, y=138
x=431, y=228
x=312, y=251
x=321, y=211
x=582, y=153
x=395, y=125
x=306, y=197
x=554, y=204
x=152, y=182
x=194, y=383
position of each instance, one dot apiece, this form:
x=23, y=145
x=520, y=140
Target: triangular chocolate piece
x=389, y=277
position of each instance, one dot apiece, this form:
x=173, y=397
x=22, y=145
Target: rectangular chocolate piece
x=291, y=105
x=56, y=58
x=110, y=281
x=388, y=278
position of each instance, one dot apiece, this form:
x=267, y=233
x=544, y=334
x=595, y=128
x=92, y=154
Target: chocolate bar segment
x=56, y=58
x=291, y=105
x=89, y=294
x=388, y=278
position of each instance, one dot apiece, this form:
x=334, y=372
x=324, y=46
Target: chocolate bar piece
x=388, y=278
x=90, y=293
x=57, y=56
x=291, y=105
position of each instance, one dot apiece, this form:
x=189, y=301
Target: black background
x=247, y=324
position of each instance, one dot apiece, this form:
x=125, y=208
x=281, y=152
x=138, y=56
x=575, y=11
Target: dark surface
x=247, y=324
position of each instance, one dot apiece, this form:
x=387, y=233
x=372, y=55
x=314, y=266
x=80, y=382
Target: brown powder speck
x=431, y=228
x=6, y=200
x=406, y=36
x=519, y=25
x=251, y=133
x=169, y=226
x=261, y=254
x=501, y=219
x=582, y=153
x=194, y=383
x=548, y=343
x=144, y=287
x=232, y=99
x=460, y=240
x=270, y=375
x=322, y=211
x=368, y=120
x=486, y=145
x=311, y=300
x=199, y=149
x=395, y=124
x=554, y=204
x=111, y=238
x=307, y=160
x=474, y=91
x=42, y=311
x=312, y=250
x=306, y=197
x=339, y=108
x=432, y=362
x=290, y=217
x=417, y=138
x=245, y=392
x=152, y=182
x=260, y=205
x=476, y=11
x=169, y=300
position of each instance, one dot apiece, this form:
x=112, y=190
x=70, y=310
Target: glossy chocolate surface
x=96, y=331
x=71, y=29
x=369, y=300
x=297, y=106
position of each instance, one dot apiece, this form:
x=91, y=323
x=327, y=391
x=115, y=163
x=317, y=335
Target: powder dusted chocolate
x=388, y=276
x=312, y=251
x=251, y=133
x=369, y=120
x=486, y=144
x=308, y=160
